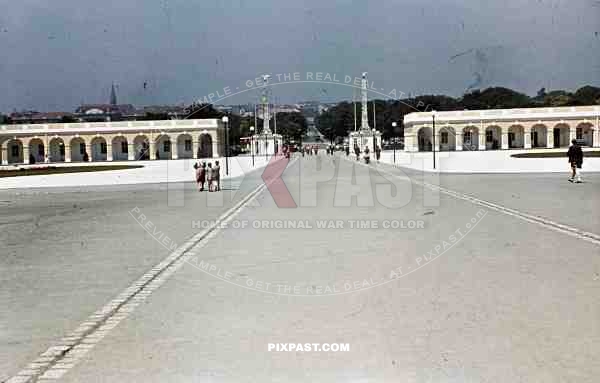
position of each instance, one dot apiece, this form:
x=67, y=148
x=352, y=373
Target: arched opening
x=516, y=137
x=493, y=138
x=470, y=138
x=37, y=151
x=57, y=150
x=14, y=152
x=120, y=149
x=78, y=150
x=447, y=139
x=561, y=135
x=141, y=146
x=205, y=147
x=424, y=139
x=539, y=136
x=163, y=148
x=585, y=132
x=99, y=149
x=184, y=146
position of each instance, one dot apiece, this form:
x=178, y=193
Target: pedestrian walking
x=357, y=152
x=347, y=150
x=575, y=155
x=378, y=153
x=217, y=175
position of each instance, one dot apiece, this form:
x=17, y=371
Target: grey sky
x=53, y=58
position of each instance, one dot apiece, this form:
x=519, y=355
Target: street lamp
x=225, y=120
x=252, y=143
x=394, y=138
x=433, y=137
x=266, y=143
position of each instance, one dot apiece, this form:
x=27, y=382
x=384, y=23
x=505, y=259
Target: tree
x=292, y=126
x=155, y=116
x=338, y=121
x=199, y=111
x=67, y=120
x=587, y=95
x=496, y=98
x=558, y=98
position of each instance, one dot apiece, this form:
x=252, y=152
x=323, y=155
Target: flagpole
x=354, y=102
x=374, y=121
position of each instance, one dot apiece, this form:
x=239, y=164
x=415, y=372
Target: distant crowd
x=313, y=150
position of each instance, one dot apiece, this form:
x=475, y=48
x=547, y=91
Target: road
x=473, y=289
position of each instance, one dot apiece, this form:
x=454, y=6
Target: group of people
x=310, y=150
x=209, y=175
x=367, y=156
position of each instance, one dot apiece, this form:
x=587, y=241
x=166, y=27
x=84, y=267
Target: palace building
x=111, y=141
x=502, y=129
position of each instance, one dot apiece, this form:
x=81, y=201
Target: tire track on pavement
x=58, y=359
x=542, y=221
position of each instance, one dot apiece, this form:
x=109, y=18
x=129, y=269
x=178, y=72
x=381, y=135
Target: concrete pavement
x=491, y=161
x=508, y=300
x=66, y=251
x=152, y=172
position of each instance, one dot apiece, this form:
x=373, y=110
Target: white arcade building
x=111, y=141
x=502, y=128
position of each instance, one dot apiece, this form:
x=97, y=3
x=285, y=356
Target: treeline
x=337, y=122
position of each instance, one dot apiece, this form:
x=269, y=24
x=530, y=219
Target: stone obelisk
x=364, y=125
x=365, y=137
x=267, y=143
x=265, y=102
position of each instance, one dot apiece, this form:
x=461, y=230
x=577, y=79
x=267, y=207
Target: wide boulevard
x=427, y=278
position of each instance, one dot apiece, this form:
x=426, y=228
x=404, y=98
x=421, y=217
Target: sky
x=55, y=55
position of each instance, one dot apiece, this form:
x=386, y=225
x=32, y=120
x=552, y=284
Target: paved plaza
x=492, y=161
x=428, y=277
x=151, y=172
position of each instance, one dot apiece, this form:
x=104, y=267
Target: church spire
x=113, y=95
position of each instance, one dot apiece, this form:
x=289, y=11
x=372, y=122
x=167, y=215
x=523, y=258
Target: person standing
x=347, y=148
x=378, y=153
x=357, y=152
x=200, y=175
x=210, y=177
x=575, y=155
x=217, y=175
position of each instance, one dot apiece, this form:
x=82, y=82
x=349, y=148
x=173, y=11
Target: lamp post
x=433, y=137
x=201, y=152
x=252, y=143
x=374, y=139
x=394, y=138
x=225, y=120
x=266, y=145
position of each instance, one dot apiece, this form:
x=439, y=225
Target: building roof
x=39, y=116
x=105, y=109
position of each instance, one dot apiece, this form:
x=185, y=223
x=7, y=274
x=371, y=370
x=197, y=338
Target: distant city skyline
x=175, y=52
